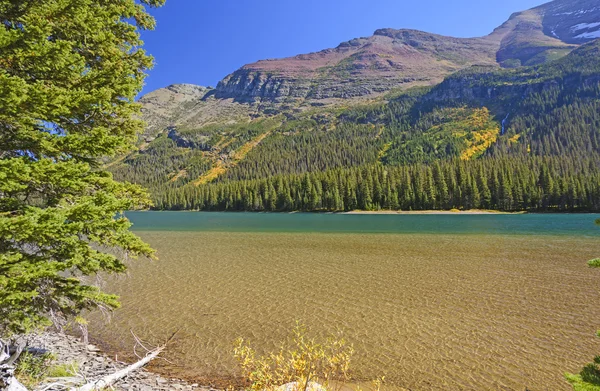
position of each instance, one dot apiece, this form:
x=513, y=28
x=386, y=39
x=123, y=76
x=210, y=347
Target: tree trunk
x=107, y=381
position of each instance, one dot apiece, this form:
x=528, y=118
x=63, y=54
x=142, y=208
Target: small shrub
x=301, y=362
x=31, y=369
x=580, y=385
x=594, y=263
x=63, y=370
x=588, y=379
x=591, y=373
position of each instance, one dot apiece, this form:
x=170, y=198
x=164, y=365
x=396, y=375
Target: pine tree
x=69, y=73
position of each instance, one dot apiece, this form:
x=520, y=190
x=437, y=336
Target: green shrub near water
x=581, y=385
x=591, y=372
x=33, y=369
x=589, y=377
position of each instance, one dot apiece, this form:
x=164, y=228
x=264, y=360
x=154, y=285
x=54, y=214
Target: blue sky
x=201, y=41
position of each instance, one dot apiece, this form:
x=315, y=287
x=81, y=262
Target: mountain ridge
x=398, y=59
x=404, y=58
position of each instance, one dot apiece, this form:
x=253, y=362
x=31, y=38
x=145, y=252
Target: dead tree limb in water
x=109, y=380
x=8, y=382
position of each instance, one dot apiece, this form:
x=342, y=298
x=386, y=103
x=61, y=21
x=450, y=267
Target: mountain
x=392, y=59
x=547, y=32
x=402, y=119
x=363, y=66
x=573, y=22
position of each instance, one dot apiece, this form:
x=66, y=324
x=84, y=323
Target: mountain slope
x=573, y=22
x=516, y=113
x=540, y=124
x=547, y=32
x=388, y=59
x=188, y=106
x=439, y=149
x=392, y=59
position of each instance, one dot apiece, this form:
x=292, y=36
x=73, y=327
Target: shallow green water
x=433, y=302
x=518, y=224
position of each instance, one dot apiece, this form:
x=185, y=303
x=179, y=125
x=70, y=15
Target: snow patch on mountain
x=579, y=12
x=589, y=35
x=584, y=26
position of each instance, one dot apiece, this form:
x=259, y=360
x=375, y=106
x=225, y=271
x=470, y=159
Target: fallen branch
x=4, y=352
x=61, y=383
x=107, y=381
x=8, y=381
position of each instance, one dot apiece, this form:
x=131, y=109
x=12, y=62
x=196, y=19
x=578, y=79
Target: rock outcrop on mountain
x=363, y=66
x=392, y=59
x=502, y=88
x=573, y=22
x=189, y=106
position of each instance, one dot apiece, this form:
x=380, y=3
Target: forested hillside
x=508, y=139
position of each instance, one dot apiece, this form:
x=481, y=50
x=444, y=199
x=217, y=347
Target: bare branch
x=108, y=380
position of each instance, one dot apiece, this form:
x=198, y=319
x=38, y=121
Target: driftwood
x=4, y=352
x=61, y=383
x=109, y=380
x=8, y=381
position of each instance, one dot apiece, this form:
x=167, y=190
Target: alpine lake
x=431, y=302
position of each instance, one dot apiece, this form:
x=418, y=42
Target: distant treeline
x=506, y=184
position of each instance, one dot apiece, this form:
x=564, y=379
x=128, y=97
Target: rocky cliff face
x=188, y=106
x=363, y=66
x=389, y=59
x=392, y=59
x=494, y=87
x=162, y=107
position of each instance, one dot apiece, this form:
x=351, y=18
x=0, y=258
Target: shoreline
x=167, y=372
x=95, y=361
x=382, y=212
x=430, y=212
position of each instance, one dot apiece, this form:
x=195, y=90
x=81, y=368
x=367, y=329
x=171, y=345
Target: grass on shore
x=33, y=369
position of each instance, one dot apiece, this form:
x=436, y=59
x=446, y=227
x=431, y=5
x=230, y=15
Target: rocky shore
x=93, y=364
